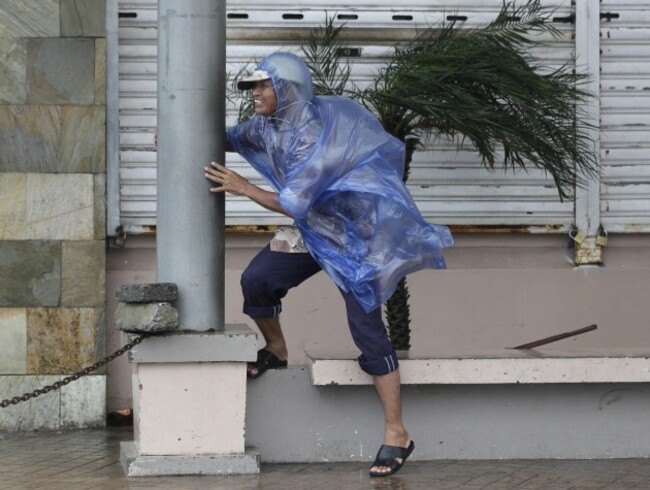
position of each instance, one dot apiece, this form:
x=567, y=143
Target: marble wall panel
x=60, y=206
x=100, y=71
x=30, y=273
x=83, y=138
x=13, y=340
x=29, y=138
x=50, y=138
x=13, y=71
x=41, y=413
x=29, y=18
x=83, y=273
x=60, y=340
x=83, y=403
x=13, y=188
x=61, y=71
x=83, y=18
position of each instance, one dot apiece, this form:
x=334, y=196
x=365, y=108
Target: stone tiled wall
x=52, y=208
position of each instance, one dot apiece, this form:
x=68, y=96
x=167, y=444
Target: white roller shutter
x=449, y=184
x=137, y=32
x=625, y=115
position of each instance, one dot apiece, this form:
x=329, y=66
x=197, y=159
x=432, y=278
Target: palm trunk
x=398, y=317
x=398, y=311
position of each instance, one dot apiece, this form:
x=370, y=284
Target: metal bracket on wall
x=588, y=250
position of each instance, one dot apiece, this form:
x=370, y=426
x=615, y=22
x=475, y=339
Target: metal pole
x=112, y=120
x=191, y=108
x=587, y=206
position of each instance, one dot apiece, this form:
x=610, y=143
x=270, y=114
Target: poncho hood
x=338, y=173
x=291, y=81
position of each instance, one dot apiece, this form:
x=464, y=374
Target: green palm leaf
x=483, y=86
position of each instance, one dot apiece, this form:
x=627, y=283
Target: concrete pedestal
x=189, y=396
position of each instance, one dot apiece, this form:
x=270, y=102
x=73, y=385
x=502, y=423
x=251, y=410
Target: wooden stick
x=554, y=338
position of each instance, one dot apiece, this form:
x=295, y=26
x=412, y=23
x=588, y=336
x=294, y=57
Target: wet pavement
x=89, y=459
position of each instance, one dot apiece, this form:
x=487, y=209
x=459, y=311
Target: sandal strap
x=267, y=360
x=387, y=455
x=264, y=355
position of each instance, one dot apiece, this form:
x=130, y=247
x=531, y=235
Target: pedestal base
x=189, y=402
x=135, y=464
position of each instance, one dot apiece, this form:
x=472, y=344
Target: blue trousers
x=270, y=275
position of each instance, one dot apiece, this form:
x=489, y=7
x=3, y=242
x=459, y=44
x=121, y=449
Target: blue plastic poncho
x=338, y=173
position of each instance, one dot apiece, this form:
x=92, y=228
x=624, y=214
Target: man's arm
x=233, y=183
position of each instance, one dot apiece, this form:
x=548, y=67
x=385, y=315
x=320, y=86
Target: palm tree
x=480, y=84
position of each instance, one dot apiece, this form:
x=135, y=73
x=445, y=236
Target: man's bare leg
x=388, y=389
x=272, y=333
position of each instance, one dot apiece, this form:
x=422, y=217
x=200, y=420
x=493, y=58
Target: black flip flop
x=265, y=360
x=387, y=456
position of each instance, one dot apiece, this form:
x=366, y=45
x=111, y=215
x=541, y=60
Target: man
x=338, y=174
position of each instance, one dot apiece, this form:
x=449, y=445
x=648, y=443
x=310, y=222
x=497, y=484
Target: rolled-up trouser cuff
x=381, y=366
x=262, y=311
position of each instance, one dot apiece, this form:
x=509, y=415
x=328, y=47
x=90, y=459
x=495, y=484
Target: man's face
x=264, y=98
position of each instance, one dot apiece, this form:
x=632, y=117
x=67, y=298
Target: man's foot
x=265, y=360
x=390, y=459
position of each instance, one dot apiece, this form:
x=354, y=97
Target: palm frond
x=235, y=97
x=323, y=55
x=515, y=24
x=484, y=86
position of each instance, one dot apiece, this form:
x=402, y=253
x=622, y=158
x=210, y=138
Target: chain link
x=73, y=377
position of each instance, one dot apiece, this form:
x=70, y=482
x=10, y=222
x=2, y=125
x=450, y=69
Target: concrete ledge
x=208, y=464
x=502, y=367
x=234, y=343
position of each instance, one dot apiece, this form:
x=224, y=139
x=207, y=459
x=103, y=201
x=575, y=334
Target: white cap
x=248, y=82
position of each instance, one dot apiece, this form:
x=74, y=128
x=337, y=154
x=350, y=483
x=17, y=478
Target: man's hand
x=228, y=180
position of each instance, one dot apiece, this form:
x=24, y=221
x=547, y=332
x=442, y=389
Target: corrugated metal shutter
x=449, y=184
x=625, y=115
x=137, y=31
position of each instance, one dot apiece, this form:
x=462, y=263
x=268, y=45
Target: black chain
x=73, y=377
